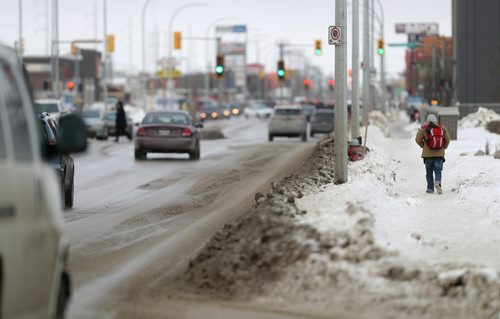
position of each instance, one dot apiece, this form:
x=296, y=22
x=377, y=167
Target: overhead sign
x=334, y=35
x=421, y=28
x=240, y=28
x=229, y=48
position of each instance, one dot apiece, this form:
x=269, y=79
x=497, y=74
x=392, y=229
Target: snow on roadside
x=312, y=244
x=479, y=119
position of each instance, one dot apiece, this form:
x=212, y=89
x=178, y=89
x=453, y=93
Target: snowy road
x=132, y=219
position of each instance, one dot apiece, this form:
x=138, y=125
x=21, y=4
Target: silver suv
x=33, y=280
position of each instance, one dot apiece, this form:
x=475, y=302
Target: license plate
x=164, y=132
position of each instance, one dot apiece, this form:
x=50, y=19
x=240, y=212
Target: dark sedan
x=322, y=121
x=168, y=132
x=62, y=163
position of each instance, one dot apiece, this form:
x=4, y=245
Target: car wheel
x=69, y=195
x=271, y=137
x=304, y=137
x=195, y=155
x=63, y=295
x=312, y=134
x=140, y=155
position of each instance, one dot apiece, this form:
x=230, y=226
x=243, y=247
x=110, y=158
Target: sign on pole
x=334, y=35
x=421, y=28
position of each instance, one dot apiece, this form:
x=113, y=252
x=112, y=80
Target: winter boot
x=438, y=187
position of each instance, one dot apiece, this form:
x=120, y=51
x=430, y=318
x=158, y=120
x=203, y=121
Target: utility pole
x=366, y=62
x=340, y=133
x=55, y=50
x=355, y=71
x=105, y=52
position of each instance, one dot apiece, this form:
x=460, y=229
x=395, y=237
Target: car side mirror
x=72, y=134
x=198, y=125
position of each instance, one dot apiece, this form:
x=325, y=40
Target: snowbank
x=312, y=246
x=479, y=119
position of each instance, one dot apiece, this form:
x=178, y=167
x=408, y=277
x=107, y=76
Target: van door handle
x=7, y=211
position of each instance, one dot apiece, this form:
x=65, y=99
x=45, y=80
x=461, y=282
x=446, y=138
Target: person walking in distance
x=121, y=122
x=433, y=138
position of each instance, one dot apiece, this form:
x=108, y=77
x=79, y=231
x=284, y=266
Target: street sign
x=406, y=44
x=240, y=28
x=423, y=28
x=334, y=35
x=415, y=37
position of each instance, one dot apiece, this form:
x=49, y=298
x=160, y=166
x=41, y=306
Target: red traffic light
x=331, y=82
x=71, y=86
x=307, y=82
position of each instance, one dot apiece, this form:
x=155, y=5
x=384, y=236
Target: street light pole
x=143, y=25
x=366, y=62
x=170, y=84
x=355, y=71
x=382, y=62
x=105, y=52
x=340, y=133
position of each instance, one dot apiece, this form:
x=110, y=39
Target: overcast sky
x=296, y=21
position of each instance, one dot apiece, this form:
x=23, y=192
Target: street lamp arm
x=171, y=22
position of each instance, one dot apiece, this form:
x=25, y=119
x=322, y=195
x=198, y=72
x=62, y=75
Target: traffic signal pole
x=366, y=61
x=220, y=79
x=383, y=97
x=340, y=133
x=281, y=82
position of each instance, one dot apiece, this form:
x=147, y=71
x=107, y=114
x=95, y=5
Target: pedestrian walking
x=433, y=138
x=121, y=122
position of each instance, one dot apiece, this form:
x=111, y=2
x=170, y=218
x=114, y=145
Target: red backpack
x=434, y=137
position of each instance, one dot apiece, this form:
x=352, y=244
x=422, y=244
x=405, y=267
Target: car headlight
x=226, y=113
x=236, y=111
x=214, y=115
x=203, y=115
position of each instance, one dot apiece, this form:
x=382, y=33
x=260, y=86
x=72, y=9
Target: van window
x=11, y=98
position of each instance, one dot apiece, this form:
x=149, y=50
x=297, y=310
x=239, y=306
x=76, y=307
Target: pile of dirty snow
x=479, y=119
x=310, y=246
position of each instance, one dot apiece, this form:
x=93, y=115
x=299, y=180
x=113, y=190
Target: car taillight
x=141, y=131
x=187, y=132
x=52, y=142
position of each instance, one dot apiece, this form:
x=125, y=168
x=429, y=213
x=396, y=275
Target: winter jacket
x=121, y=119
x=428, y=152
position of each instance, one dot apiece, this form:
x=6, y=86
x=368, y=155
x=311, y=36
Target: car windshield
x=110, y=116
x=308, y=107
x=210, y=108
x=46, y=107
x=288, y=112
x=90, y=113
x=165, y=118
x=323, y=115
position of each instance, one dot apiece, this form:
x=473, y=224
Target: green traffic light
x=281, y=73
x=219, y=69
x=381, y=51
x=317, y=52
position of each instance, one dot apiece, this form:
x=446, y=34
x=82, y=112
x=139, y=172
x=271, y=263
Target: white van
x=33, y=280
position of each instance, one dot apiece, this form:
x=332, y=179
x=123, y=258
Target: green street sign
x=406, y=44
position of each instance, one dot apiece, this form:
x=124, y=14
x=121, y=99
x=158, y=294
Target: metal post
x=20, y=44
x=372, y=63
x=366, y=62
x=355, y=71
x=77, y=70
x=441, y=66
x=220, y=80
x=433, y=71
x=143, y=24
x=55, y=49
x=340, y=134
x=281, y=45
x=383, y=92
x=105, y=68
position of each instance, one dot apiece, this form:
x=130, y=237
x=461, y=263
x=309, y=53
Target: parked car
x=168, y=132
x=257, y=110
x=289, y=121
x=96, y=124
x=61, y=162
x=322, y=121
x=54, y=107
x=308, y=110
x=34, y=282
x=110, y=119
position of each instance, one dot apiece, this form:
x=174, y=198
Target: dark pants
x=122, y=131
x=433, y=167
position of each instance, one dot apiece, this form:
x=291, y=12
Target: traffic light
x=281, y=70
x=74, y=49
x=317, y=47
x=110, y=43
x=331, y=84
x=307, y=84
x=380, y=43
x=219, y=66
x=71, y=86
x=177, y=40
